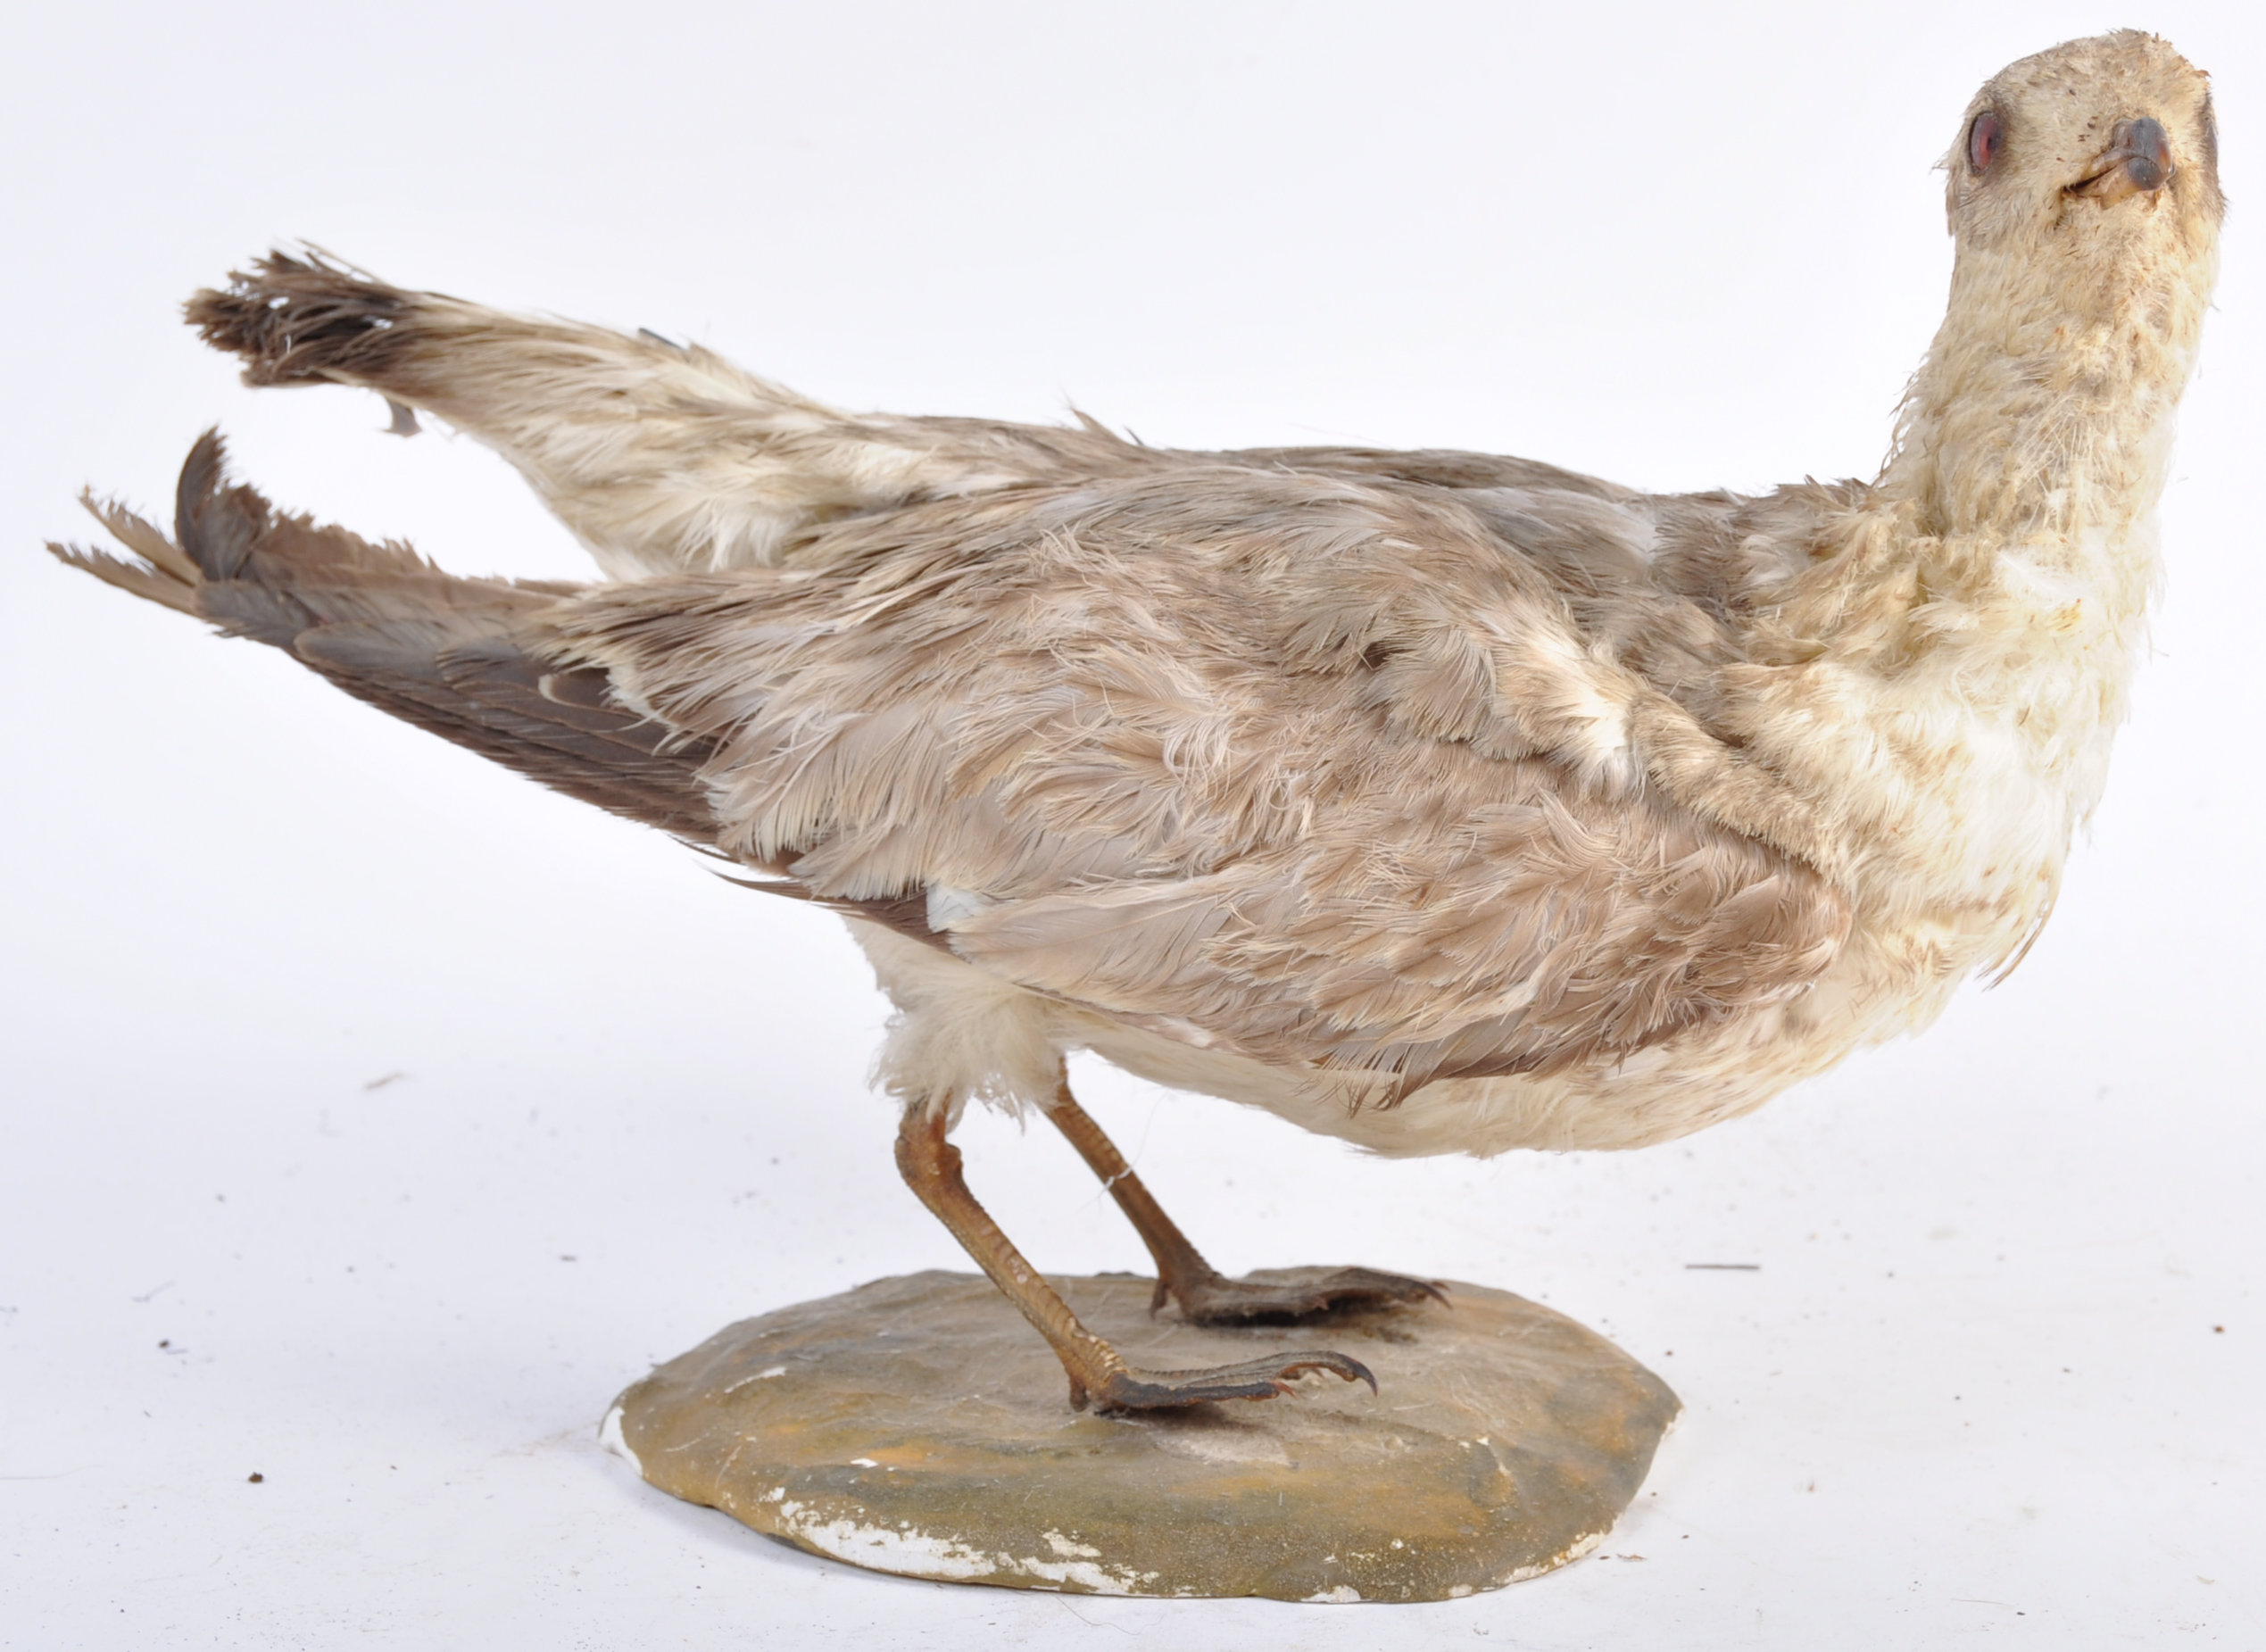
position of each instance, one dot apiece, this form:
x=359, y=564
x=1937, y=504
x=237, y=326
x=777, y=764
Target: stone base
x=917, y=1425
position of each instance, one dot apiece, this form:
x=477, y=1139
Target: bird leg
x=1208, y=1297
x=1099, y=1374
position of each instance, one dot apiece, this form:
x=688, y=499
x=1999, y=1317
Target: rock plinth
x=917, y=1425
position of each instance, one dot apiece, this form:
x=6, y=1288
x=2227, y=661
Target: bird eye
x=1983, y=140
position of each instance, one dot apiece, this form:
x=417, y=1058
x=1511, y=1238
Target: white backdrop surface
x=370, y=1116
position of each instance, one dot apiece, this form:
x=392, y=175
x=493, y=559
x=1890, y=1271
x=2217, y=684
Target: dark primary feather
x=389, y=628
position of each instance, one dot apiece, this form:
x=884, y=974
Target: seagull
x=1434, y=800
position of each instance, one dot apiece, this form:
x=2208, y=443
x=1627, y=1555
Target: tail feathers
x=456, y=656
x=300, y=320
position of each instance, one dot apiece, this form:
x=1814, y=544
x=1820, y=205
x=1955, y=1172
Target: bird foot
x=1128, y=1388
x=1284, y=1293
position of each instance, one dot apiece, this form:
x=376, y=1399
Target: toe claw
x=1338, y=1365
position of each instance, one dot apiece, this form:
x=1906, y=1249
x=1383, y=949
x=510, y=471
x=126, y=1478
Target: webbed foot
x=1282, y=1293
x=1128, y=1388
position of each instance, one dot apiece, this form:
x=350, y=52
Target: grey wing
x=665, y=458
x=1319, y=771
x=1313, y=771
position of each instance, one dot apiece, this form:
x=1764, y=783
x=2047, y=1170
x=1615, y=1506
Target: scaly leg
x=1206, y=1296
x=1099, y=1374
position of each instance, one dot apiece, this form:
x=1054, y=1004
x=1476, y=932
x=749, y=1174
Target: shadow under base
x=917, y=1425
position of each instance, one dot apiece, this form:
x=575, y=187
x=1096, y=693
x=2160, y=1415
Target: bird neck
x=1991, y=588
x=2043, y=414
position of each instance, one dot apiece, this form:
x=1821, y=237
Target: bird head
x=2096, y=164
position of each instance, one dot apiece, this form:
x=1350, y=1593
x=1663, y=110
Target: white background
x=1977, y=1389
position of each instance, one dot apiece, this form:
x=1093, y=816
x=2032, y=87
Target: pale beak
x=2138, y=160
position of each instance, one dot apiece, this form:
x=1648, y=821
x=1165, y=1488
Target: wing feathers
x=1300, y=769
x=1314, y=767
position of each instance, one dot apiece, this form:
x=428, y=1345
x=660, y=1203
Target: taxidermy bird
x=1438, y=802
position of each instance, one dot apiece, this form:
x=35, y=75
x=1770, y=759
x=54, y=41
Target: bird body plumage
x=1438, y=802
